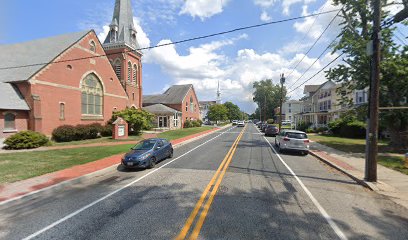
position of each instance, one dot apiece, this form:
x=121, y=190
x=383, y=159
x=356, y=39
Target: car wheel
x=152, y=162
x=305, y=153
x=171, y=153
x=280, y=149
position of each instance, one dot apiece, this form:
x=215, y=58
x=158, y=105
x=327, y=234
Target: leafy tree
x=234, y=113
x=355, y=72
x=137, y=119
x=218, y=112
x=267, y=95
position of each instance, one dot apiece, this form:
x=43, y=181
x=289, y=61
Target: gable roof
x=36, y=54
x=158, y=109
x=11, y=98
x=310, y=88
x=173, y=95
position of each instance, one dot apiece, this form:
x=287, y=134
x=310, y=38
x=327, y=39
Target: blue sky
x=236, y=60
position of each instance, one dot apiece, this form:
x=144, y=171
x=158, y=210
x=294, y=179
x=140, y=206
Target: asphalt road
x=228, y=185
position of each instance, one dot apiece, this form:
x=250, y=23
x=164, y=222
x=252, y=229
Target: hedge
x=26, y=140
x=68, y=133
x=192, y=123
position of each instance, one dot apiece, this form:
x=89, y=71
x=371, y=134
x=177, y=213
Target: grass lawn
x=19, y=166
x=349, y=145
x=180, y=133
x=98, y=140
x=393, y=162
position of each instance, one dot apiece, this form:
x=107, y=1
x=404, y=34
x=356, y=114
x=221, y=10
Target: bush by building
x=137, y=119
x=348, y=127
x=26, y=140
x=68, y=133
x=192, y=123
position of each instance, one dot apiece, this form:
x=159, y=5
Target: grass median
x=97, y=140
x=24, y=165
x=386, y=157
x=180, y=133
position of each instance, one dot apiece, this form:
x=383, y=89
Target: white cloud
x=265, y=17
x=203, y=8
x=265, y=3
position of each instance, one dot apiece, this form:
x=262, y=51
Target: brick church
x=72, y=78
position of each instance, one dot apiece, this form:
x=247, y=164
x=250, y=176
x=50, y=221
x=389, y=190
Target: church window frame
x=135, y=75
x=118, y=68
x=129, y=78
x=191, y=104
x=10, y=121
x=92, y=96
x=62, y=111
x=92, y=46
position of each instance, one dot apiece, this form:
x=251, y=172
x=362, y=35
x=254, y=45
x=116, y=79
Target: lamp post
x=282, y=81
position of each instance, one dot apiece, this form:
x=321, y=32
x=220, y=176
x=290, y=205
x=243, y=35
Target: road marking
x=116, y=191
x=332, y=224
x=218, y=174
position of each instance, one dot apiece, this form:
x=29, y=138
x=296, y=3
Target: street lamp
x=282, y=81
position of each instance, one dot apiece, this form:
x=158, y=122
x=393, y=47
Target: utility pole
x=266, y=109
x=282, y=81
x=372, y=149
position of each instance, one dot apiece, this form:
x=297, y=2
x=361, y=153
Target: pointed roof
x=158, y=109
x=19, y=62
x=123, y=20
x=174, y=95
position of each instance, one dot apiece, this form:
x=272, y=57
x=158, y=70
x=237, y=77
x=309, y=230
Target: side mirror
x=157, y=148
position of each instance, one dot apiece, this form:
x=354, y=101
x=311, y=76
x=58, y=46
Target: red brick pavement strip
x=24, y=187
x=334, y=160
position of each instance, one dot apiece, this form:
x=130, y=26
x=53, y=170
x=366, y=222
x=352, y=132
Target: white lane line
x=332, y=224
x=116, y=191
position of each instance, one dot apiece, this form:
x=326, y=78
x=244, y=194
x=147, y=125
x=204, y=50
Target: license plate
x=130, y=164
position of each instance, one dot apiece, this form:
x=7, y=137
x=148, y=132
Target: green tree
x=137, y=119
x=218, y=112
x=355, y=72
x=267, y=95
x=234, y=113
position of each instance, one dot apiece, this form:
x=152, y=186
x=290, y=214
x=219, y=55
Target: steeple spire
x=122, y=30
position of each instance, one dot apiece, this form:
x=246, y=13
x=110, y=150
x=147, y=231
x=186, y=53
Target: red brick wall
x=115, y=55
x=195, y=115
x=21, y=122
x=61, y=83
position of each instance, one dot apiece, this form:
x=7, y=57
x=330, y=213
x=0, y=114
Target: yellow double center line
x=217, y=178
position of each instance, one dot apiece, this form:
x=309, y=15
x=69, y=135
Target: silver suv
x=292, y=140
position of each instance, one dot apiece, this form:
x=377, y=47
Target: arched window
x=92, y=46
x=118, y=69
x=113, y=35
x=186, y=106
x=129, y=71
x=135, y=75
x=92, y=95
x=62, y=111
x=191, y=104
x=9, y=121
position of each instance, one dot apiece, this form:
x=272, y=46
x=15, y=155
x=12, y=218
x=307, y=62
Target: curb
x=368, y=185
x=80, y=179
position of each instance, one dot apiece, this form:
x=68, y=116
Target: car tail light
x=286, y=139
x=306, y=141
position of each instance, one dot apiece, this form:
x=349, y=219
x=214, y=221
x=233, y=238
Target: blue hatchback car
x=147, y=153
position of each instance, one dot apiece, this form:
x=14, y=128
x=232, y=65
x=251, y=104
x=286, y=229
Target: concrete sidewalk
x=391, y=183
x=26, y=188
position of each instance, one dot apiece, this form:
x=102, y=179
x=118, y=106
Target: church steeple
x=122, y=30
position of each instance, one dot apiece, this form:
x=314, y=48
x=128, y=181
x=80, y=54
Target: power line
x=316, y=73
x=314, y=44
x=181, y=41
x=317, y=59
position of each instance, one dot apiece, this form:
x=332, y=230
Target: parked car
x=234, y=122
x=264, y=125
x=241, y=123
x=292, y=140
x=259, y=124
x=147, y=153
x=271, y=130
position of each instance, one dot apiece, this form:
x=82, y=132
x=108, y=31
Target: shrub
x=64, y=133
x=137, y=119
x=310, y=130
x=188, y=124
x=197, y=123
x=354, y=129
x=26, y=140
x=302, y=126
x=107, y=130
x=321, y=129
x=83, y=132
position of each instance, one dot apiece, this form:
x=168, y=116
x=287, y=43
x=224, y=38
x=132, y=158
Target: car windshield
x=296, y=135
x=145, y=145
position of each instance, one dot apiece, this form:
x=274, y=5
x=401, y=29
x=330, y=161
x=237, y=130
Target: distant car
x=241, y=123
x=271, y=130
x=292, y=140
x=234, y=122
x=147, y=153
